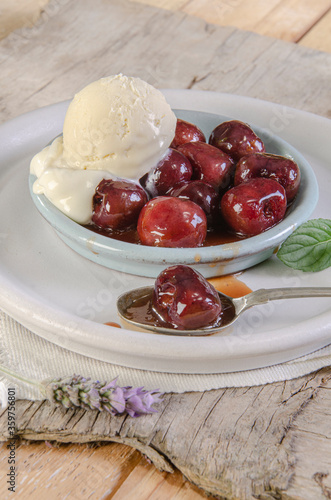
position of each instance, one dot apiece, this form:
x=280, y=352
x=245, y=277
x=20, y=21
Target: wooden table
x=261, y=442
x=301, y=21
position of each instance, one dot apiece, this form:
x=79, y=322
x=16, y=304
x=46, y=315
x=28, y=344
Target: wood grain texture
x=164, y=4
x=18, y=13
x=284, y=19
x=264, y=442
x=319, y=36
x=270, y=442
x=287, y=20
x=167, y=49
x=94, y=471
x=302, y=21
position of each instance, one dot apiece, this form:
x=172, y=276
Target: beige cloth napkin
x=31, y=356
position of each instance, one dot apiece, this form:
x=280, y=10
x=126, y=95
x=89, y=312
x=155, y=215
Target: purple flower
x=80, y=392
x=139, y=401
x=115, y=401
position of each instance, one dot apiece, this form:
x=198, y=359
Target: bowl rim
x=299, y=211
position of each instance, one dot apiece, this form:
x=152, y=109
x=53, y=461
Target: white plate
x=65, y=298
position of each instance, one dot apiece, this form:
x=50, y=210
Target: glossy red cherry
x=173, y=168
x=166, y=221
x=184, y=298
x=186, y=132
x=209, y=164
x=270, y=166
x=236, y=138
x=254, y=206
x=202, y=194
x=117, y=204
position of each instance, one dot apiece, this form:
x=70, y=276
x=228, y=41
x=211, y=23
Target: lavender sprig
x=80, y=392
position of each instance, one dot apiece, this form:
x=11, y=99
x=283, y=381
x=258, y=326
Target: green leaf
x=308, y=248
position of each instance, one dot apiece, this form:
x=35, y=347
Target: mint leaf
x=308, y=248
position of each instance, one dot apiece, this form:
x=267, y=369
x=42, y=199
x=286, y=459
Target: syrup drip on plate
x=230, y=285
x=112, y=323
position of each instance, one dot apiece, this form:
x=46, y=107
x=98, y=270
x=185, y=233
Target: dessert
x=183, y=298
x=118, y=126
x=126, y=165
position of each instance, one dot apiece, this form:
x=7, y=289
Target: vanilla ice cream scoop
x=117, y=126
x=120, y=124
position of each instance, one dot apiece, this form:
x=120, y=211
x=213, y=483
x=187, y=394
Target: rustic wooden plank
x=292, y=19
x=18, y=13
x=80, y=471
x=238, y=13
x=256, y=442
x=284, y=19
x=146, y=482
x=180, y=51
x=300, y=21
x=163, y=4
x=319, y=36
x=112, y=471
x=310, y=438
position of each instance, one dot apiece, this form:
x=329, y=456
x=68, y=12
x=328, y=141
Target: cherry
x=187, y=184
x=254, y=206
x=202, y=194
x=117, y=204
x=183, y=298
x=281, y=169
x=209, y=164
x=166, y=221
x=186, y=132
x=236, y=138
x=174, y=167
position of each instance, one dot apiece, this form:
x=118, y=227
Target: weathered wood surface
x=74, y=44
x=94, y=471
x=301, y=21
x=18, y=13
x=261, y=442
x=283, y=19
x=318, y=37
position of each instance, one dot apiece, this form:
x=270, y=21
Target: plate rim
x=44, y=316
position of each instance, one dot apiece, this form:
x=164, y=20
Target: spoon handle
x=265, y=295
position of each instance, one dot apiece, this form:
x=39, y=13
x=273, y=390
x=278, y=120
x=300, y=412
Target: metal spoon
x=129, y=301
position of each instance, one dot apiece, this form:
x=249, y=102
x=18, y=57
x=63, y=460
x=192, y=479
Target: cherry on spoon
x=128, y=302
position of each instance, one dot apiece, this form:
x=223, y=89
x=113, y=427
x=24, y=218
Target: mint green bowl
x=210, y=261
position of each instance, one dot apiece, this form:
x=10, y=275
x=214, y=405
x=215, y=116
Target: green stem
x=17, y=376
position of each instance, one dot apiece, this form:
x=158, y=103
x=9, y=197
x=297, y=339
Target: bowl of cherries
x=224, y=196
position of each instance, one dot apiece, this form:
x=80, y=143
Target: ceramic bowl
x=210, y=261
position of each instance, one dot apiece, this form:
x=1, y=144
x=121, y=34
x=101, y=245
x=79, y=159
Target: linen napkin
x=33, y=357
